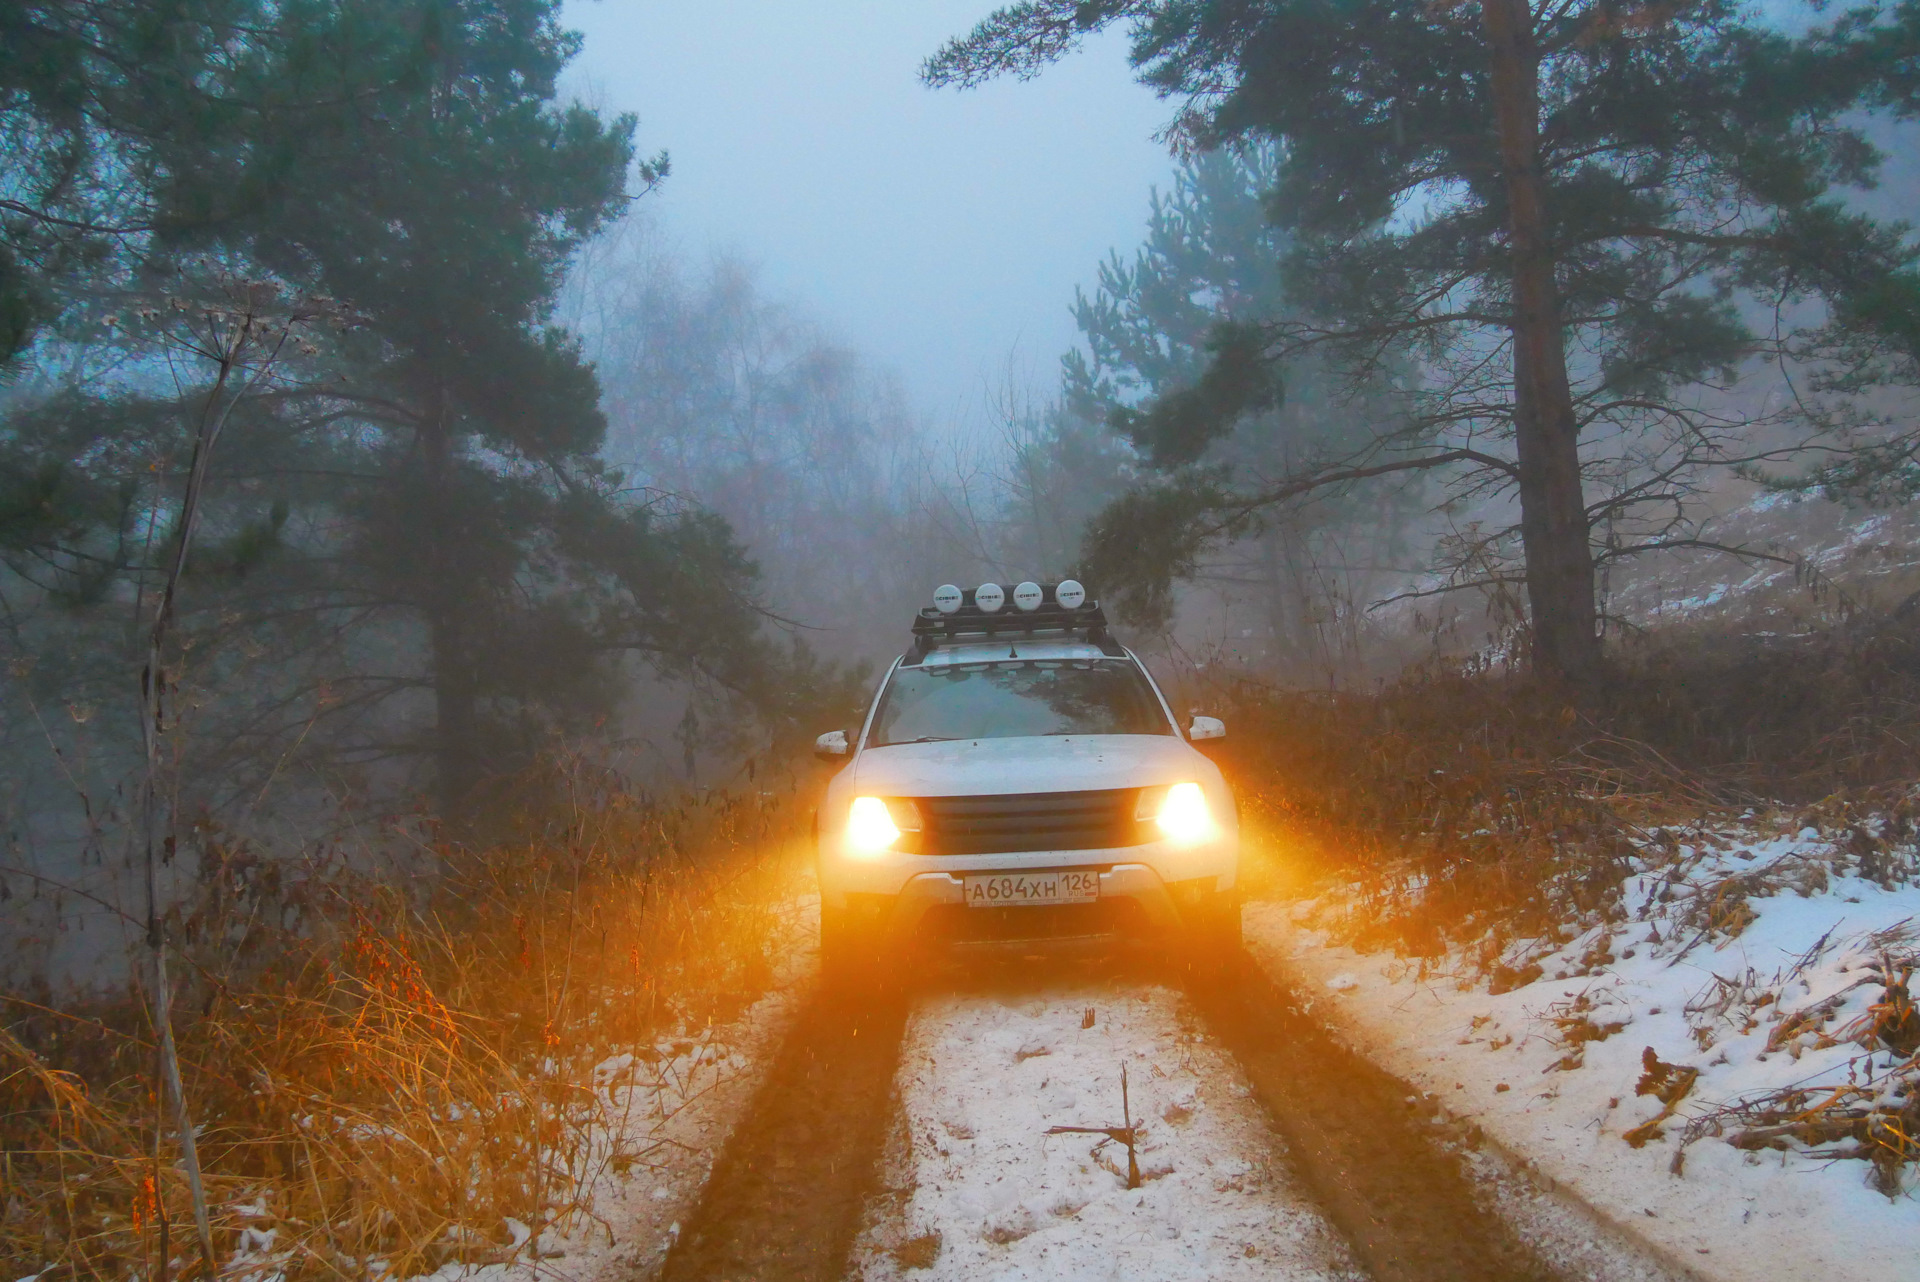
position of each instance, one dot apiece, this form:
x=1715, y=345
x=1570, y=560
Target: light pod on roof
x=989, y=597
x=1027, y=596
x=947, y=598
x=1069, y=594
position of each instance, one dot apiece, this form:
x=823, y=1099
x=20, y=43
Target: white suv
x=1020, y=775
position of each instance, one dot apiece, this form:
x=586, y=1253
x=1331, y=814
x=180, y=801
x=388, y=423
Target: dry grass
x=1464, y=809
x=1447, y=808
x=1874, y=1116
x=388, y=1072
x=1484, y=819
x=1481, y=816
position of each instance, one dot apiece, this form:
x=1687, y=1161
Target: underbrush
x=1864, y=1106
x=1462, y=807
x=389, y=1071
x=1494, y=826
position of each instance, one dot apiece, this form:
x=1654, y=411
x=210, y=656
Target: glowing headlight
x=876, y=824
x=1180, y=811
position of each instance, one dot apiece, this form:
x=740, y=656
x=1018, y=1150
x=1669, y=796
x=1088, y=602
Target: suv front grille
x=1030, y=821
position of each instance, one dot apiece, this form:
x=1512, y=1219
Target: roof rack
x=970, y=624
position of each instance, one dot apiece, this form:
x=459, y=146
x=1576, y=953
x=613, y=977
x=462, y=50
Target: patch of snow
x=1713, y=596
x=982, y=1078
x=1550, y=1068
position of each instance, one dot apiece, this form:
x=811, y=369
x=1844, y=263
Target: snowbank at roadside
x=982, y=1078
x=1743, y=967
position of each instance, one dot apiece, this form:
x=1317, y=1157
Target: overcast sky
x=935, y=232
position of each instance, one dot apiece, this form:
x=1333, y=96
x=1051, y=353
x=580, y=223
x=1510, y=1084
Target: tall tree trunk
x=1553, y=518
x=456, y=758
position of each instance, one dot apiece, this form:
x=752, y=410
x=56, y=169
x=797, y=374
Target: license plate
x=1021, y=888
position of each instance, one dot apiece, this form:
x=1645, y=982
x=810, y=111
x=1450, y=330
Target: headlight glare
x=870, y=829
x=1179, y=811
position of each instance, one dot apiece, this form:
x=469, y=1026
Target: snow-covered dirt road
x=905, y=1134
x=989, y=1193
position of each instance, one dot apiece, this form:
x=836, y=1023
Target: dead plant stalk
x=235, y=339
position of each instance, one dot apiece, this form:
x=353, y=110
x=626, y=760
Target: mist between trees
x=1561, y=234
x=498, y=469
x=387, y=508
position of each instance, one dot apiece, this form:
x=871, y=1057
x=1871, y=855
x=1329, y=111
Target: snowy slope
x=1748, y=958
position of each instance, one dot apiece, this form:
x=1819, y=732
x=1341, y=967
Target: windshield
x=1010, y=700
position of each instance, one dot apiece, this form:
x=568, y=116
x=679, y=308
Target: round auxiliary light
x=947, y=598
x=1070, y=594
x=1027, y=595
x=989, y=597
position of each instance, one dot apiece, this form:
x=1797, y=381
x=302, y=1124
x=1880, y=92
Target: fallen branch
x=1122, y=1134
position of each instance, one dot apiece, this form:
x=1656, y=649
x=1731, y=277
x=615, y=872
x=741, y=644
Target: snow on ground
x=1823, y=542
x=678, y=1112
x=1743, y=956
x=992, y=1196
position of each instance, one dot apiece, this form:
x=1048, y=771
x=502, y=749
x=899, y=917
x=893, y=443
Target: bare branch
x=1707, y=545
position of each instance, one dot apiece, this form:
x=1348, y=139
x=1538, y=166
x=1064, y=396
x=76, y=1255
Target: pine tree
x=446, y=210
x=1564, y=207
x=1212, y=258
x=415, y=512
x=89, y=91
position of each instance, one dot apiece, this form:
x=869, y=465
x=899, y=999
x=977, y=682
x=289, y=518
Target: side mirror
x=832, y=744
x=1206, y=728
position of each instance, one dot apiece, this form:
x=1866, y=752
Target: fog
x=937, y=232
x=413, y=452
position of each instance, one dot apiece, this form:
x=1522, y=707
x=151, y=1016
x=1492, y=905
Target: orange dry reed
x=386, y=1066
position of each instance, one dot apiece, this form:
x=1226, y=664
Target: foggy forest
x=474, y=481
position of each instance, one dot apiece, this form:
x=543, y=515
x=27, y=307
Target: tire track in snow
x=985, y=1193
x=1403, y=1197
x=785, y=1198
x=1270, y=1150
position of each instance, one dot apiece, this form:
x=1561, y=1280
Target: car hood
x=1062, y=763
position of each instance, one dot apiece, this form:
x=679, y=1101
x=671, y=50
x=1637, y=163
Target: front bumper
x=1151, y=887
x=933, y=891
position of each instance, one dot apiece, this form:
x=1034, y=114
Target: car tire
x=1213, y=936
x=847, y=952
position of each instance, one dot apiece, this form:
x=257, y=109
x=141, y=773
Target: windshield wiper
x=929, y=738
